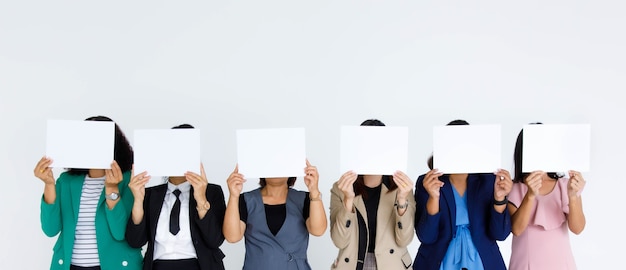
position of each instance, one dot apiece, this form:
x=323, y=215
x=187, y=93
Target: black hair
x=122, y=153
x=519, y=175
x=290, y=182
x=183, y=126
x=359, y=184
x=457, y=122
x=373, y=122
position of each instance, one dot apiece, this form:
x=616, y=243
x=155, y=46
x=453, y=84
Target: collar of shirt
x=184, y=188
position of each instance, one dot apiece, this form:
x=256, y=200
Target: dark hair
x=373, y=122
x=359, y=184
x=183, y=126
x=457, y=122
x=122, y=153
x=290, y=182
x=520, y=176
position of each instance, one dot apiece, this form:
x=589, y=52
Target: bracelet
x=502, y=202
x=205, y=206
x=402, y=206
x=319, y=197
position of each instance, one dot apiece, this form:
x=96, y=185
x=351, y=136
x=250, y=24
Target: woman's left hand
x=576, y=183
x=199, y=184
x=113, y=176
x=503, y=184
x=405, y=185
x=311, y=178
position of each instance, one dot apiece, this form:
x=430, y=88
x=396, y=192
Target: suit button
x=400, y=225
x=348, y=224
x=124, y=263
x=391, y=251
x=347, y=260
x=61, y=261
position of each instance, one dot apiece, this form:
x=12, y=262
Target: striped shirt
x=85, y=251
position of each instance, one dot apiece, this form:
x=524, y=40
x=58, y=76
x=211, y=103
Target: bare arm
x=317, y=222
x=44, y=172
x=233, y=227
x=576, y=217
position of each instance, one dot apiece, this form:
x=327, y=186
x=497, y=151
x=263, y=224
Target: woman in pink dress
x=544, y=208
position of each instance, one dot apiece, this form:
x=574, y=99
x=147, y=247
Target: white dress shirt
x=166, y=245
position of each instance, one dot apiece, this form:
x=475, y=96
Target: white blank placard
x=80, y=144
x=556, y=147
x=374, y=150
x=278, y=152
x=167, y=152
x=467, y=148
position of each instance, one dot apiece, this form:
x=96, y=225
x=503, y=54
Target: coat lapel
x=76, y=189
x=472, y=191
x=448, y=197
x=192, y=205
x=156, y=199
x=359, y=204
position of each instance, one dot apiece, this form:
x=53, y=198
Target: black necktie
x=174, y=226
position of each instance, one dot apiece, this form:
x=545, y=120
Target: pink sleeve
x=517, y=193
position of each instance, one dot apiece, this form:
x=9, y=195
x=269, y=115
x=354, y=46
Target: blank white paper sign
x=80, y=144
x=374, y=150
x=278, y=152
x=556, y=147
x=166, y=152
x=467, y=148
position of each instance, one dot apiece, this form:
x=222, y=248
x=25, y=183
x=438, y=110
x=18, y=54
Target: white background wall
x=223, y=65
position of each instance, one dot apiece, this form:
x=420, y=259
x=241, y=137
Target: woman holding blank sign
x=180, y=220
x=371, y=219
x=460, y=217
x=88, y=209
x=544, y=208
x=275, y=219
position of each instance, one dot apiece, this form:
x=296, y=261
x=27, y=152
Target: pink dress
x=544, y=245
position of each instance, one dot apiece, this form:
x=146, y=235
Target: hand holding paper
x=235, y=183
x=311, y=178
x=44, y=172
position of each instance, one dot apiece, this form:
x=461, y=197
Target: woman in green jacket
x=88, y=210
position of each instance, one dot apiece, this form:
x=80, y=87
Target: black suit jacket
x=206, y=233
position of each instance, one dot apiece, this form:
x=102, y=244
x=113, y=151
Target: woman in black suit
x=180, y=220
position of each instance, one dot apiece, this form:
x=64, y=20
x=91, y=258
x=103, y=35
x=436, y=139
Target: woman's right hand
x=235, y=182
x=432, y=184
x=137, y=185
x=346, y=185
x=44, y=172
x=533, y=181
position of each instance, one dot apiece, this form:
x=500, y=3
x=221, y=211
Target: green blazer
x=61, y=217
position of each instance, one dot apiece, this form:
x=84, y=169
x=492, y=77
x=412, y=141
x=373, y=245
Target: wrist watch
x=113, y=196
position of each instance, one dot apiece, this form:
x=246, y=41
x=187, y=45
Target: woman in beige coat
x=371, y=219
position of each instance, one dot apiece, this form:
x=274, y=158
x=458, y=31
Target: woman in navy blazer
x=459, y=218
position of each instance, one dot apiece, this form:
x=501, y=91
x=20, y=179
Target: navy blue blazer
x=436, y=231
x=206, y=233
